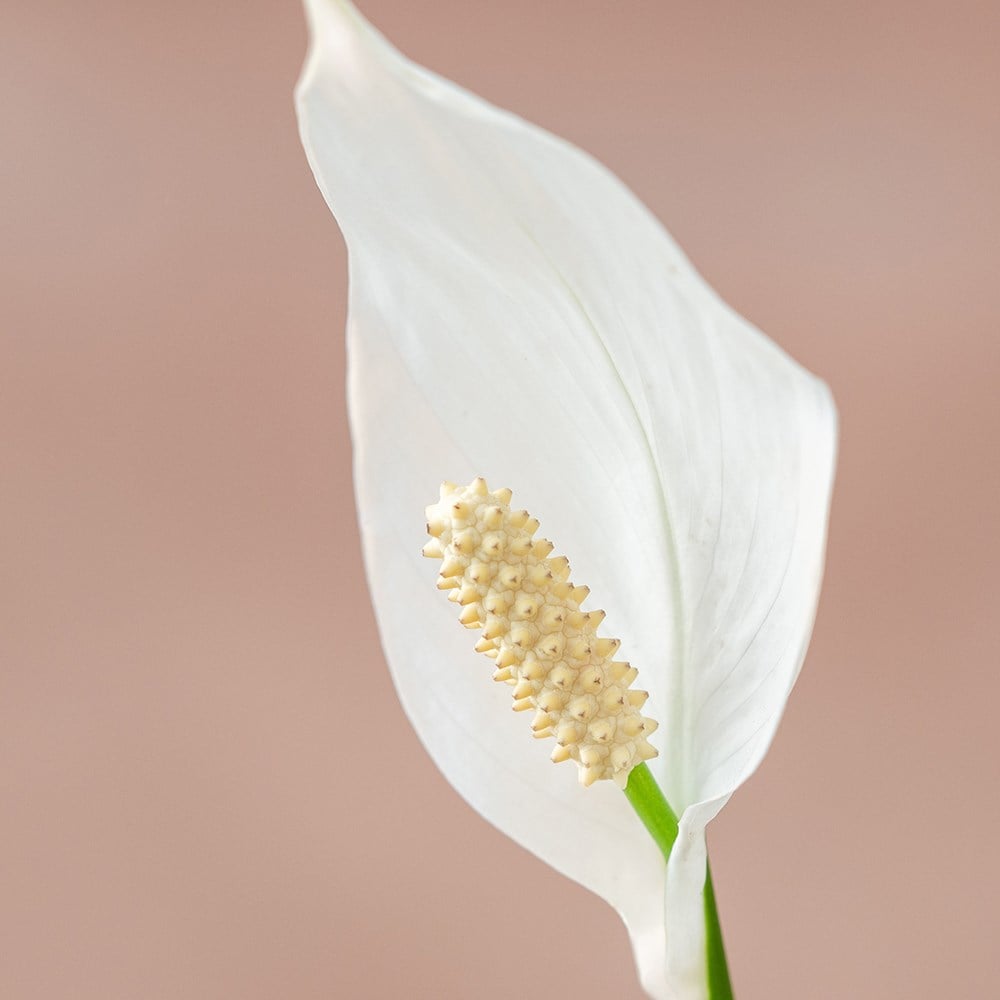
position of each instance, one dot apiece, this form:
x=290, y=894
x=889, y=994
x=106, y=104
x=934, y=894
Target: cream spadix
x=515, y=309
x=544, y=645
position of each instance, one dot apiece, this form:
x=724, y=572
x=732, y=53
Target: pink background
x=185, y=636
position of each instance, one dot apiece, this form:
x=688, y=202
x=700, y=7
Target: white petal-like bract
x=516, y=313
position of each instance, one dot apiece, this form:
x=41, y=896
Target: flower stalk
x=651, y=806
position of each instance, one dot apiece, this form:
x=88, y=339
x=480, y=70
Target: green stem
x=719, y=986
x=660, y=820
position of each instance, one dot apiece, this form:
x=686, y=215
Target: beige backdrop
x=186, y=640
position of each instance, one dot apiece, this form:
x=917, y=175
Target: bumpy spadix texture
x=514, y=308
x=543, y=643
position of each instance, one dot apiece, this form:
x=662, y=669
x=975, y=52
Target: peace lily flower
x=515, y=312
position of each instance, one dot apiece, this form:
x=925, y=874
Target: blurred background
x=188, y=662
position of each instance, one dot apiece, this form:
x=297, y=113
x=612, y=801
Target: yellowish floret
x=543, y=644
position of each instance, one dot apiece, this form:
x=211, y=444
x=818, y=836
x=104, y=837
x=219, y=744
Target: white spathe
x=516, y=313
